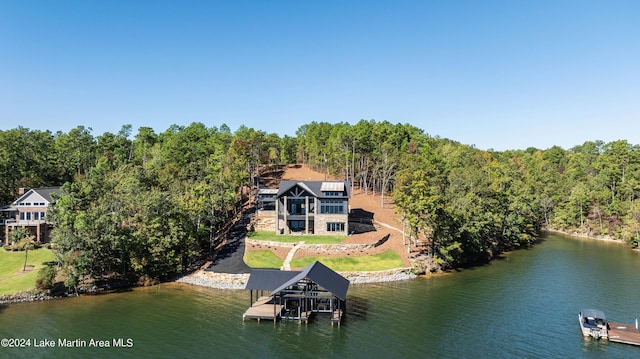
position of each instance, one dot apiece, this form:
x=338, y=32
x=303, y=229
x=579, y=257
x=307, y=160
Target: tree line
x=149, y=205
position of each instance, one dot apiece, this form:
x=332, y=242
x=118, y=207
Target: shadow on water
x=357, y=308
x=501, y=256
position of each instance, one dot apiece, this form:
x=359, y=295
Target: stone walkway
x=292, y=252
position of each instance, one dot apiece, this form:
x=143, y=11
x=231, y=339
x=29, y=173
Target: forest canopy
x=149, y=205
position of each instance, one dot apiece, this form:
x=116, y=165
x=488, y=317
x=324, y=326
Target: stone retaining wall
x=314, y=247
x=256, y=242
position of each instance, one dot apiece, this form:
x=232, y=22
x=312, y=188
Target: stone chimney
x=22, y=191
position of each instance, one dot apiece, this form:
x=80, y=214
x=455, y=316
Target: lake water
x=524, y=305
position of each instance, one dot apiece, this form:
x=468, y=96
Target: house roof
x=268, y=191
x=315, y=187
x=277, y=280
x=45, y=193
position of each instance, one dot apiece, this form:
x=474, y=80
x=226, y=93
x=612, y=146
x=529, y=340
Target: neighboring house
x=29, y=211
x=312, y=207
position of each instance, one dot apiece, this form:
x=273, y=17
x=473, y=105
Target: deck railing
x=17, y=222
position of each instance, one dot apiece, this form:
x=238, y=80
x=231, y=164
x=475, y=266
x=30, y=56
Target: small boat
x=593, y=323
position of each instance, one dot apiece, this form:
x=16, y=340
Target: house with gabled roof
x=29, y=211
x=297, y=294
x=312, y=207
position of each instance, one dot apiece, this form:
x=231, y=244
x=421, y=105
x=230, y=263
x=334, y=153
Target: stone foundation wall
x=321, y=221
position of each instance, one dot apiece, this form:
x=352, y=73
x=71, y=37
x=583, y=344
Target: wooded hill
x=149, y=205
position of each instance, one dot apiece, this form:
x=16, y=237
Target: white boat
x=593, y=323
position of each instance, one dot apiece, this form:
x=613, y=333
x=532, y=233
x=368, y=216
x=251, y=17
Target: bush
x=46, y=277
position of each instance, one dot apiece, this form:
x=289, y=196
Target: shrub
x=46, y=277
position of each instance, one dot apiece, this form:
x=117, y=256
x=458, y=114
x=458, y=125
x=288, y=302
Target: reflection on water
x=524, y=305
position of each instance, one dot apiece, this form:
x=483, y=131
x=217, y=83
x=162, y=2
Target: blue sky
x=496, y=74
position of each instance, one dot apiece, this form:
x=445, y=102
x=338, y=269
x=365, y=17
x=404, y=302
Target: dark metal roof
x=46, y=192
x=323, y=276
x=276, y=280
x=313, y=187
x=268, y=279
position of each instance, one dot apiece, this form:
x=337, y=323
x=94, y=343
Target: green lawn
x=386, y=260
x=12, y=262
x=262, y=259
x=309, y=239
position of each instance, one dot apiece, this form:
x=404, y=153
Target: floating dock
x=623, y=333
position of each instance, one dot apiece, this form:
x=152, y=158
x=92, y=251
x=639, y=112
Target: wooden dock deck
x=263, y=308
x=623, y=333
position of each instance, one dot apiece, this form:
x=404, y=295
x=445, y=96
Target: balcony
x=23, y=223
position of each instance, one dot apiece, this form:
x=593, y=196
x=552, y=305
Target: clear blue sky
x=497, y=74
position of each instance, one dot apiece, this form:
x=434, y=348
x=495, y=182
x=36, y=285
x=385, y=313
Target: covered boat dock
x=297, y=294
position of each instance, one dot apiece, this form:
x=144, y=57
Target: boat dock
x=264, y=308
x=624, y=333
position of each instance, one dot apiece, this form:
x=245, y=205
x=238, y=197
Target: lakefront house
x=29, y=211
x=312, y=207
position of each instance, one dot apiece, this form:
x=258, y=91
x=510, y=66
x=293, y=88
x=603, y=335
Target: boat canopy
x=593, y=313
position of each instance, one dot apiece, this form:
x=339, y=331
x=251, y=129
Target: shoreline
x=578, y=235
x=228, y=281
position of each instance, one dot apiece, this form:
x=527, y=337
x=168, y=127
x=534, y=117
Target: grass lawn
x=386, y=260
x=309, y=239
x=262, y=259
x=12, y=262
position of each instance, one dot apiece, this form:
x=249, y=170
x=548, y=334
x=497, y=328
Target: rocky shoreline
x=23, y=297
x=238, y=281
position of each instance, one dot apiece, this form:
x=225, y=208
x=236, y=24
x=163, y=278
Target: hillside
x=384, y=219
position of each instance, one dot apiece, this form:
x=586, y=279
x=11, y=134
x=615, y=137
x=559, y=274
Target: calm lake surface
x=524, y=305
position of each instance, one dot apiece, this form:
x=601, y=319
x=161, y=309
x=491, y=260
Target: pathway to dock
x=287, y=261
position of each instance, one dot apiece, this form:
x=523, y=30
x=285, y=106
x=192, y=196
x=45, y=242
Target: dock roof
x=276, y=281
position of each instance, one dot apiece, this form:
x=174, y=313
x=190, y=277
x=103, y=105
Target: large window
x=296, y=207
x=332, y=206
x=296, y=225
x=335, y=226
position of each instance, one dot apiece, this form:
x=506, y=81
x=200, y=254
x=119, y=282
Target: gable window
x=332, y=194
